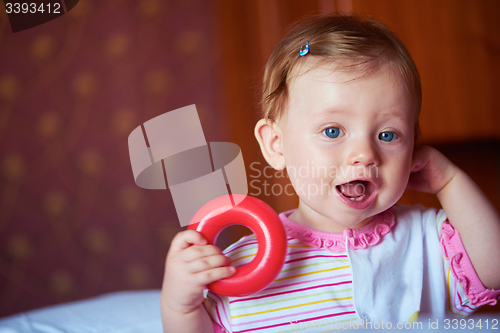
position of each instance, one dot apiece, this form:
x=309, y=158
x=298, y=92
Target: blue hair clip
x=303, y=51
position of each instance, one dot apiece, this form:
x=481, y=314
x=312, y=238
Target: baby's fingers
x=419, y=159
x=207, y=263
x=185, y=239
x=214, y=274
x=196, y=252
x=417, y=182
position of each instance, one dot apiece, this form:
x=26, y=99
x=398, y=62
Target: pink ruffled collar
x=361, y=238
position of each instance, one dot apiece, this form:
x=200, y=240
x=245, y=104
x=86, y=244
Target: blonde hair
x=348, y=40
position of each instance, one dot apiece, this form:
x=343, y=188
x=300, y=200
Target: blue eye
x=333, y=132
x=387, y=136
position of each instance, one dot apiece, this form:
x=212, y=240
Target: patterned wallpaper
x=73, y=224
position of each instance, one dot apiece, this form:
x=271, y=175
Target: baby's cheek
x=402, y=183
x=397, y=182
x=391, y=197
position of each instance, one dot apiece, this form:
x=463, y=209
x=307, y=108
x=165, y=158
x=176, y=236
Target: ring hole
x=230, y=235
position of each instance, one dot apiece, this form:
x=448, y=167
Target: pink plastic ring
x=263, y=221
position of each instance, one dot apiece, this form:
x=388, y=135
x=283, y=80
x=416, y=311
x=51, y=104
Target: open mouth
x=358, y=194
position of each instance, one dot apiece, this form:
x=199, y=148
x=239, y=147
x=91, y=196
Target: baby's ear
x=269, y=136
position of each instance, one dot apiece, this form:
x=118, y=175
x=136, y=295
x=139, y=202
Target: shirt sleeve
x=465, y=291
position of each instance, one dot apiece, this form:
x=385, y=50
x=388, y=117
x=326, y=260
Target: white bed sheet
x=121, y=312
x=139, y=311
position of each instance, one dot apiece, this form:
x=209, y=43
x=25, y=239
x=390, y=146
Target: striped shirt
x=314, y=290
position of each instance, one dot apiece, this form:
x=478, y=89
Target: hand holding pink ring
x=263, y=221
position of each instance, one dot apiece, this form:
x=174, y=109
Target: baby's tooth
x=352, y=199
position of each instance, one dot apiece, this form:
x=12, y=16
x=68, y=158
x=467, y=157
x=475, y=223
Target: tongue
x=353, y=189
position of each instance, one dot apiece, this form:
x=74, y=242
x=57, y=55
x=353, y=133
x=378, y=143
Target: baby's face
x=347, y=141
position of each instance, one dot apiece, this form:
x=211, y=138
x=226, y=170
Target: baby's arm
x=467, y=208
x=191, y=265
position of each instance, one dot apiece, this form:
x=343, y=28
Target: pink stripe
x=309, y=281
x=318, y=256
x=299, y=321
x=289, y=292
x=249, y=242
x=223, y=308
x=253, y=242
x=216, y=309
x=296, y=314
x=244, y=244
x=308, y=250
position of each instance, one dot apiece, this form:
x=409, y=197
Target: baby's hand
x=191, y=264
x=431, y=170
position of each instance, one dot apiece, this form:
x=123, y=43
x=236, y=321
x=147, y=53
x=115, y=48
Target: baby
x=341, y=97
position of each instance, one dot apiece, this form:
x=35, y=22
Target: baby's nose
x=363, y=153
